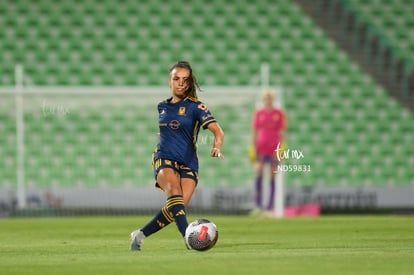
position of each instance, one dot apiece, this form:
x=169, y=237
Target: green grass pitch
x=100, y=245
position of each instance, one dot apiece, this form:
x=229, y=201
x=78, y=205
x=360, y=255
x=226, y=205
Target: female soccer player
x=268, y=126
x=174, y=160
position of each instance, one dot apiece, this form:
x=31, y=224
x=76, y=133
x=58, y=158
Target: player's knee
x=172, y=188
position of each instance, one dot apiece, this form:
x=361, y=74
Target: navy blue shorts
x=182, y=170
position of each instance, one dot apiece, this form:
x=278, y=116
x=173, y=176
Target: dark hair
x=192, y=81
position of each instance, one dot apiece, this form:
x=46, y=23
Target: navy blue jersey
x=179, y=125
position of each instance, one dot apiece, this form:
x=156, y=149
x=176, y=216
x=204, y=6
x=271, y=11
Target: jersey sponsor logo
x=174, y=124
x=181, y=111
x=203, y=107
x=203, y=118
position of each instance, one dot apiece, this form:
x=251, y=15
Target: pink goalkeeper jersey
x=269, y=125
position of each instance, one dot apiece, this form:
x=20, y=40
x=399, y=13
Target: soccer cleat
x=137, y=237
x=255, y=212
x=266, y=214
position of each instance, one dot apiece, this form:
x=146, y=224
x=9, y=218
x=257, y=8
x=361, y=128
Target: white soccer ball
x=201, y=235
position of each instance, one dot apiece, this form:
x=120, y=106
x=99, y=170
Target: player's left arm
x=218, y=133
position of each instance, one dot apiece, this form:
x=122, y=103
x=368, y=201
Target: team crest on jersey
x=181, y=111
x=174, y=124
x=203, y=107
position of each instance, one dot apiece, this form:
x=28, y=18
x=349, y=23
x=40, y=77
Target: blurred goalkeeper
x=174, y=160
x=268, y=126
